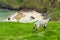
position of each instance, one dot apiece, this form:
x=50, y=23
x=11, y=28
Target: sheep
x=40, y=23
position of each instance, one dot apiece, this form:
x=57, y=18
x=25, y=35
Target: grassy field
x=23, y=31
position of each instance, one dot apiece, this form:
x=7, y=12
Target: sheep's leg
x=34, y=26
x=36, y=29
x=44, y=27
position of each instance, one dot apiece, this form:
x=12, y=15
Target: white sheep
x=39, y=23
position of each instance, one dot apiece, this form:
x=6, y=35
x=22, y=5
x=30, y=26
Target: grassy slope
x=22, y=31
x=56, y=14
x=13, y=3
x=27, y=3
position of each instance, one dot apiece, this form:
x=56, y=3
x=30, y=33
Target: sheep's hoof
x=36, y=31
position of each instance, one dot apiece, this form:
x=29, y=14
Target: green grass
x=53, y=31
x=23, y=31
